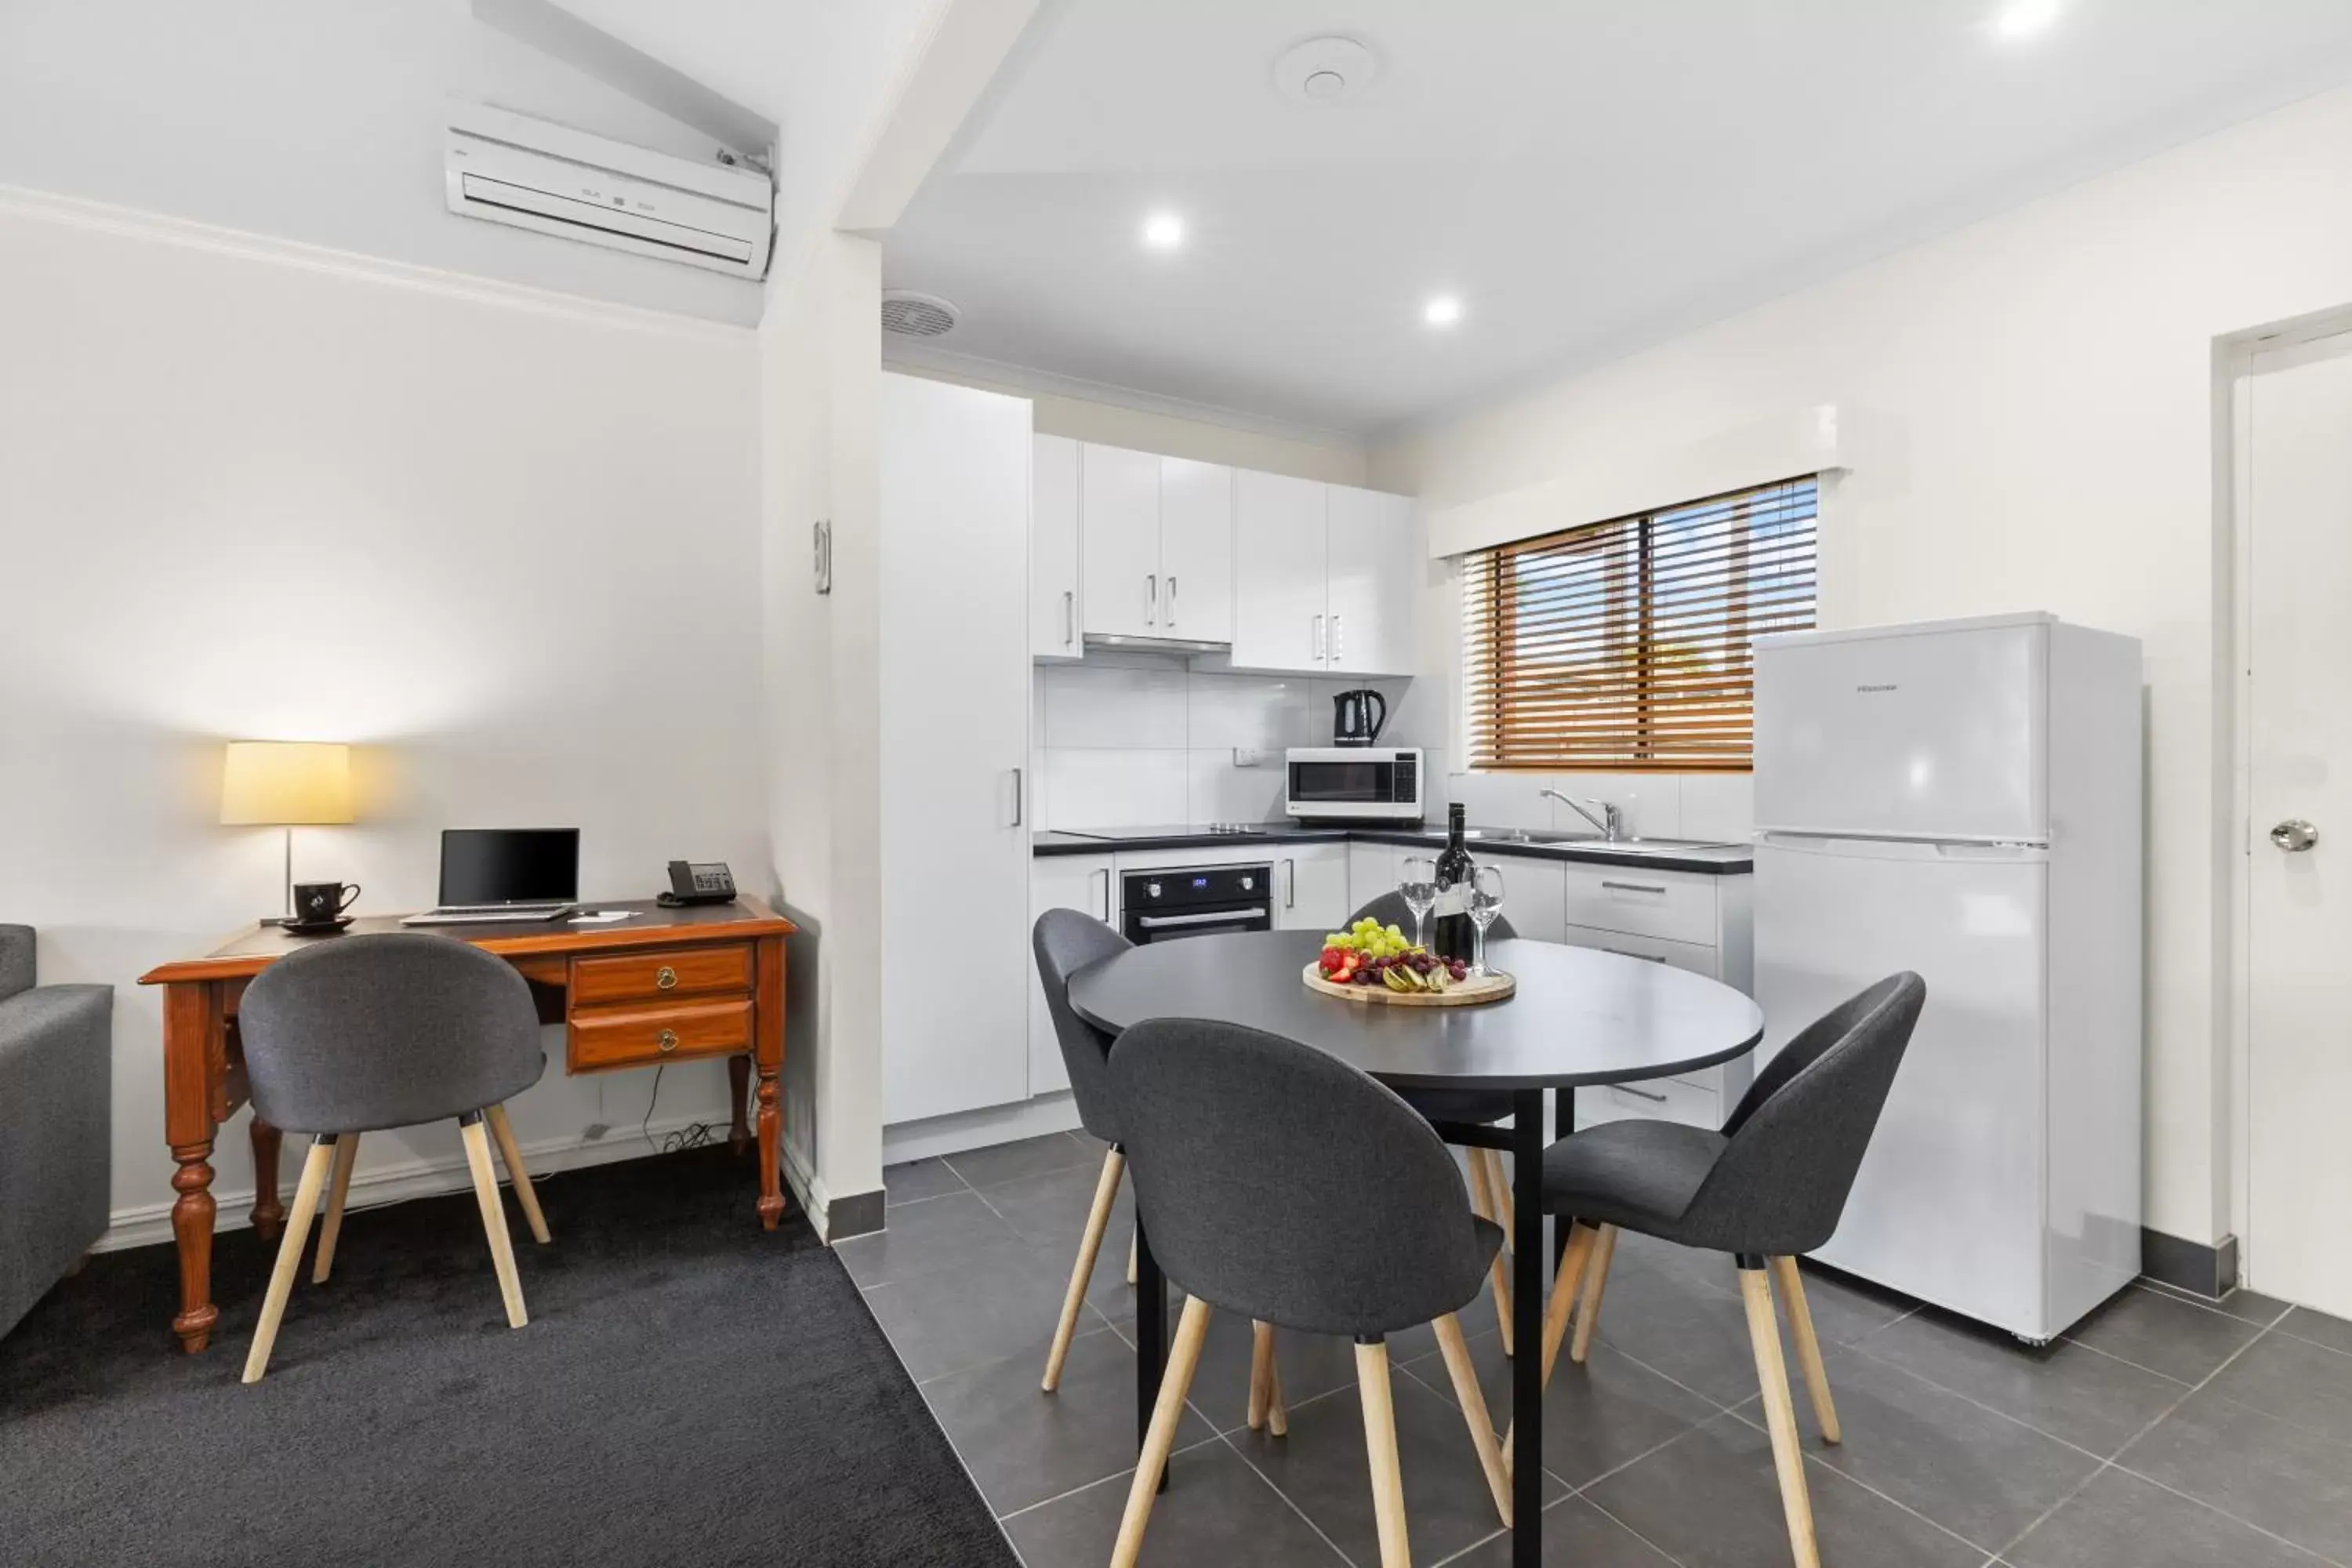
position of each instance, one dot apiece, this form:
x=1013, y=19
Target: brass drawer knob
x=664, y=977
x=668, y=1039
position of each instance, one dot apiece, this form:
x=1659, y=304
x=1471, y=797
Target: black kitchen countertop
x=1720, y=860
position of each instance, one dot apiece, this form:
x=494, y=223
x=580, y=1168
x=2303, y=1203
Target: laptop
x=496, y=874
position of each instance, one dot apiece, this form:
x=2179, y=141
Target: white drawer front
x=1657, y=950
x=1660, y=1099
x=1677, y=905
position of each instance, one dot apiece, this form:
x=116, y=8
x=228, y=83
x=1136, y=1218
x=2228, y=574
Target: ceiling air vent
x=913, y=315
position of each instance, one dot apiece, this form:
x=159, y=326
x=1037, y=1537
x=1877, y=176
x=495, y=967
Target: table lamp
x=288, y=784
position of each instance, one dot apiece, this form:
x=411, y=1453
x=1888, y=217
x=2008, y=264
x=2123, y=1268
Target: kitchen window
x=1630, y=645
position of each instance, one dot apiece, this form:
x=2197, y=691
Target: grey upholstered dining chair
x=1772, y=1184
x=366, y=1033
x=1490, y=1194
x=1065, y=942
x=1276, y=1182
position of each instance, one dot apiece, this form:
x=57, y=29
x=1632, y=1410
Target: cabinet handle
x=1645, y=957
x=1634, y=887
x=1151, y=597
x=1104, y=873
x=1171, y=600
x=1069, y=616
x=664, y=978
x=1639, y=1093
x=1290, y=884
x=1318, y=640
x=1338, y=636
x=667, y=1040
x=1019, y=790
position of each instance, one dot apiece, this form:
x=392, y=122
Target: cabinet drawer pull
x=666, y=1039
x=1069, y=618
x=1639, y=1093
x=664, y=978
x=1635, y=887
x=1646, y=957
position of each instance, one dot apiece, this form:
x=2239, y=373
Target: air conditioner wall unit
x=507, y=168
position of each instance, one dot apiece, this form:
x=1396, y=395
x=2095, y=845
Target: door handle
x=2295, y=835
x=1069, y=616
x=1104, y=872
x=1171, y=600
x=1338, y=636
x=1151, y=597
x=1209, y=918
x=1020, y=788
x=1290, y=884
x=1318, y=640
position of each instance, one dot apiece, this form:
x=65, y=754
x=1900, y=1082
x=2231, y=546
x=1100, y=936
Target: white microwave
x=1354, y=784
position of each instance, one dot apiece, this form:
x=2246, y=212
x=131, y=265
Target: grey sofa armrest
x=56, y=1130
x=15, y=960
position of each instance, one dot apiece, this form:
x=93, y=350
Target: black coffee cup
x=316, y=903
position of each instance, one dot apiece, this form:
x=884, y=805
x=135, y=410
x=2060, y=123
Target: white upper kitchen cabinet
x=1280, y=557
x=1373, y=566
x=1054, y=632
x=1196, y=551
x=1118, y=511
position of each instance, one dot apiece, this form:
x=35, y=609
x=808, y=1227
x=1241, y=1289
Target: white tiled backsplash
x=1127, y=740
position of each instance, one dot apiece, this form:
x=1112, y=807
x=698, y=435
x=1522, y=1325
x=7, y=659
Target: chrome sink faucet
x=1612, y=821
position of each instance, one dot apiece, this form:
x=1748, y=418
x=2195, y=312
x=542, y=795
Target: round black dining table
x=1579, y=1017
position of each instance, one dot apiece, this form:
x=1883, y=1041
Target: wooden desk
x=664, y=986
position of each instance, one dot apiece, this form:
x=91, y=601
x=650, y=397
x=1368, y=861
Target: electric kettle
x=1357, y=717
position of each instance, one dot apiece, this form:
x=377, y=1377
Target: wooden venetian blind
x=1630, y=645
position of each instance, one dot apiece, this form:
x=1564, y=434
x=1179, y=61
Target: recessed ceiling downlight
x=1324, y=70
x=913, y=315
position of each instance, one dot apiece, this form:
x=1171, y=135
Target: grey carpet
x=690, y=1387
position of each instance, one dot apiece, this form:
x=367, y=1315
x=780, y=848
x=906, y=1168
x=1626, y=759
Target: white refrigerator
x=1962, y=798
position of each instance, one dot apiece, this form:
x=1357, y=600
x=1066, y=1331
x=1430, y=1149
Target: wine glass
x=1486, y=904
x=1418, y=883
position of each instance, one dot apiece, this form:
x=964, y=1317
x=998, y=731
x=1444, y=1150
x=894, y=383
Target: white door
x=954, y=477
x=1081, y=882
x=1279, y=559
x=1196, y=551
x=2299, y=927
x=1914, y=733
x=1054, y=628
x=1373, y=567
x=1119, y=541
x=1948, y=1206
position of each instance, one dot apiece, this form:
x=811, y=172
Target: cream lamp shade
x=284, y=783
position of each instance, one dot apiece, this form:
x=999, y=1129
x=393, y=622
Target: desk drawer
x=1677, y=906
x=643, y=1036
x=660, y=977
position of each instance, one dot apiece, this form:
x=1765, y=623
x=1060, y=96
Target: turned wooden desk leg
x=193, y=1054
x=739, y=1086
x=269, y=1208
x=768, y=1044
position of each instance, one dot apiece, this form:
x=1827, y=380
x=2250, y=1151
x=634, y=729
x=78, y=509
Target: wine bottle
x=1451, y=934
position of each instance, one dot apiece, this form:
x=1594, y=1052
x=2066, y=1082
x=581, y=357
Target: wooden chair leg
x=1472, y=1400
x=1505, y=1212
x=1808, y=1348
x=1278, y=1414
x=512, y=1152
x=1261, y=1372
x=289, y=1256
x=494, y=1217
x=338, y=1187
x=1175, y=1383
x=1082, y=1272
x=1381, y=1448
x=1596, y=1280
x=1482, y=1199
x=1131, y=1258
x=1556, y=1311
x=1779, y=1415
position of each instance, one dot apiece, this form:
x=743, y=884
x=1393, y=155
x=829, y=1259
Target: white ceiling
x=1589, y=176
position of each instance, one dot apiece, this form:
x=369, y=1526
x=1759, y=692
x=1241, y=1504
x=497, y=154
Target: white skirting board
x=979, y=1128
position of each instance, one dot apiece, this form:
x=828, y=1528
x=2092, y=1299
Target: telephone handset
x=698, y=882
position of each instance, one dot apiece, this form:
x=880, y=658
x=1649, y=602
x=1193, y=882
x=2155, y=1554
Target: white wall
x=506, y=541
x=2038, y=397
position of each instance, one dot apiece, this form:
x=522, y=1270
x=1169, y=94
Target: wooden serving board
x=1461, y=993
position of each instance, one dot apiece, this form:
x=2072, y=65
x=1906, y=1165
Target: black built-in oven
x=1195, y=900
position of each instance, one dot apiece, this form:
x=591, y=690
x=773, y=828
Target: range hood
x=1155, y=645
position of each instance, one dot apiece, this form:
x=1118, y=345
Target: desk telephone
x=705, y=882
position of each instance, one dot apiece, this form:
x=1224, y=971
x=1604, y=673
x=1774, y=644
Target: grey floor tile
x=2072, y=1392
x=991, y=1307
x=1106, y=1289
x=1024, y=1445
x=1847, y=1311
x=2320, y=1328
x=1596, y=1417
x=1694, y=1335
x=917, y=1180
x=2304, y=1384
x=2251, y=1305
x=2163, y=1334
x=2121, y=1521
x=2282, y=1478
x=1002, y=1163
x=1052, y=1206
x=1321, y=1467
x=925, y=1237
x=1978, y=1474
x=1216, y=1512
x=1575, y=1536
x=1311, y=1365
x=1709, y=1499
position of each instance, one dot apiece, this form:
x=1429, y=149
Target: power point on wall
x=1248, y=757
x=594, y=1130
